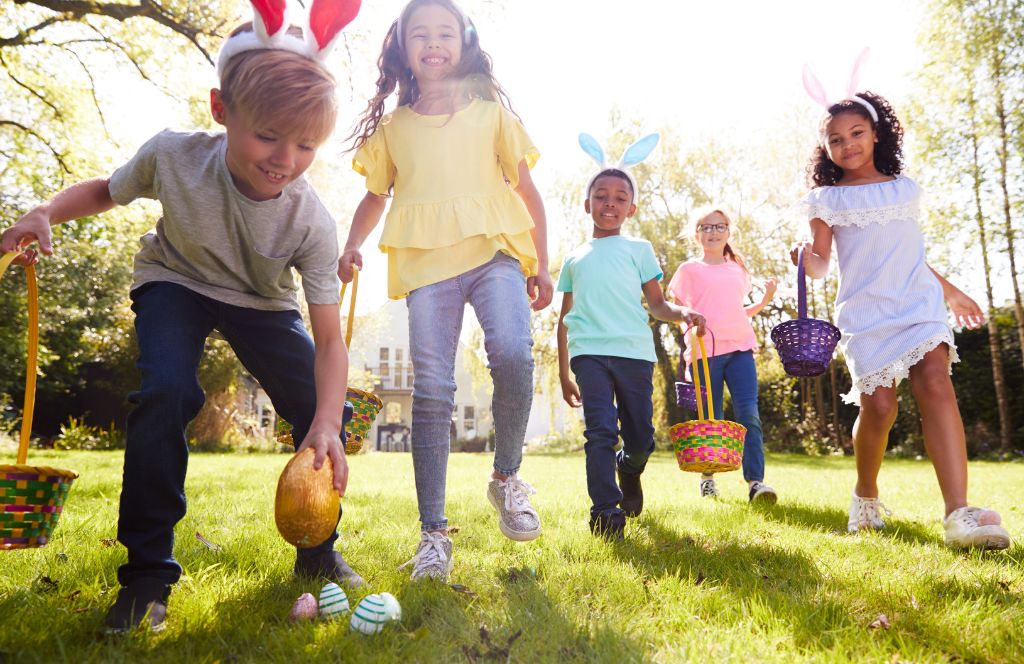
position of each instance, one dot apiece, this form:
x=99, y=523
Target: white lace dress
x=889, y=306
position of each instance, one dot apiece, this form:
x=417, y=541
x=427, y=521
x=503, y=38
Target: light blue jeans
x=497, y=292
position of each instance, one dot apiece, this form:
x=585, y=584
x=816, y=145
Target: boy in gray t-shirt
x=237, y=217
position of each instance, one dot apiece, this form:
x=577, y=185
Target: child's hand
x=694, y=319
x=540, y=289
x=327, y=442
x=347, y=264
x=966, y=312
x=808, y=248
x=571, y=393
x=33, y=227
x=770, y=286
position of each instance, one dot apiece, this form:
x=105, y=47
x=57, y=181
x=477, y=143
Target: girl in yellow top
x=466, y=224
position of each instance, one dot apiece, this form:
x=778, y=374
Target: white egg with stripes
x=392, y=609
x=333, y=601
x=369, y=615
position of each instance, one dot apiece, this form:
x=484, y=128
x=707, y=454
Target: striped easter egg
x=333, y=601
x=369, y=616
x=392, y=609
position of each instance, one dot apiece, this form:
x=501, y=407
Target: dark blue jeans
x=172, y=323
x=616, y=393
x=738, y=371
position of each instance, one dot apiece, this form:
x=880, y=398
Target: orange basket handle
x=351, y=306
x=702, y=408
x=33, y=353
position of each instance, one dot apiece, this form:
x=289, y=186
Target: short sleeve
x=373, y=161
x=513, y=145
x=649, y=268
x=565, y=277
x=677, y=288
x=137, y=178
x=317, y=263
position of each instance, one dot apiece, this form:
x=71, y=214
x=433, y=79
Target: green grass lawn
x=695, y=579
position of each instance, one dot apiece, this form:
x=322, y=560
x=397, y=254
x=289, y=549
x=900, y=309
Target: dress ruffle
x=419, y=225
x=863, y=205
x=900, y=369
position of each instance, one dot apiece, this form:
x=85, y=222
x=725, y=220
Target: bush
x=76, y=435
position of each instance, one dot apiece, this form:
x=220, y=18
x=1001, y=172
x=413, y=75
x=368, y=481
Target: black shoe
x=609, y=526
x=142, y=602
x=326, y=565
x=632, y=502
x=762, y=494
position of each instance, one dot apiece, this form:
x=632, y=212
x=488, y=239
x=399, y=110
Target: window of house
x=384, y=354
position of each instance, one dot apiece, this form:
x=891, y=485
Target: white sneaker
x=433, y=559
x=865, y=515
x=964, y=532
x=708, y=488
x=762, y=494
x=516, y=517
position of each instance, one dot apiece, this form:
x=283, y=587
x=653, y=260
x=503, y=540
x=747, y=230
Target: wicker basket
x=707, y=445
x=805, y=345
x=31, y=497
x=365, y=405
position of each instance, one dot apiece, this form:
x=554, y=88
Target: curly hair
x=888, y=155
x=474, y=71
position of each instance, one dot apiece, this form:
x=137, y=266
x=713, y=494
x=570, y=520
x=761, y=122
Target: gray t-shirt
x=219, y=243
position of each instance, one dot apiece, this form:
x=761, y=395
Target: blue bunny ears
x=634, y=154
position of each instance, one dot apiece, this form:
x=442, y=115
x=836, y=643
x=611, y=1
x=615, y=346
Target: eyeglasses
x=713, y=228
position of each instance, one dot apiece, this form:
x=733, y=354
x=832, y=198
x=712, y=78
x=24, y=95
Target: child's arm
x=366, y=217
x=83, y=199
x=966, y=312
x=330, y=371
x=539, y=288
x=770, y=286
x=816, y=252
x=668, y=312
x=570, y=390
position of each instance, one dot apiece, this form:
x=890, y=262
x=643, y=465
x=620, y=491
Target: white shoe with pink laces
x=975, y=528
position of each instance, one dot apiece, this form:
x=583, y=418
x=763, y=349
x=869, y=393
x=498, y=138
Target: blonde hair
x=702, y=213
x=281, y=90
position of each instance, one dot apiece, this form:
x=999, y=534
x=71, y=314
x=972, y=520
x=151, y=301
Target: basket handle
x=351, y=306
x=702, y=408
x=33, y=353
x=682, y=363
x=801, y=287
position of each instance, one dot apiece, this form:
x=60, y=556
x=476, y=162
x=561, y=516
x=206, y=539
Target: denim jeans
x=497, y=292
x=738, y=371
x=616, y=394
x=172, y=323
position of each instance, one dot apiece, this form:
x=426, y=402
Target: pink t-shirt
x=717, y=292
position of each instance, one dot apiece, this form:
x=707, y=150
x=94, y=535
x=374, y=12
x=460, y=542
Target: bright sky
x=697, y=67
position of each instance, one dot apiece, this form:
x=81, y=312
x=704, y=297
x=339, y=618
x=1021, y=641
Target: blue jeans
x=172, y=323
x=497, y=292
x=738, y=371
x=616, y=394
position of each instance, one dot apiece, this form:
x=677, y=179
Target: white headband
x=633, y=155
x=321, y=29
x=816, y=91
x=467, y=26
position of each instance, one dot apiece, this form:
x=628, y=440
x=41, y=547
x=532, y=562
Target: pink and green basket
x=706, y=445
x=31, y=497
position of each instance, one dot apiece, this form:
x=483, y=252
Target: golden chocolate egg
x=306, y=506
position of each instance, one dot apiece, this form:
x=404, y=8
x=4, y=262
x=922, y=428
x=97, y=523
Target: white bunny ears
x=633, y=155
x=816, y=90
x=321, y=28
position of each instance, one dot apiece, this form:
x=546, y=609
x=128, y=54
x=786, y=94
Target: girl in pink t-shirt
x=717, y=285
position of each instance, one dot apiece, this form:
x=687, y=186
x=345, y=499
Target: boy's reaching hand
x=327, y=442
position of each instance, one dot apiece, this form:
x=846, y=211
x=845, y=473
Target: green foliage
x=76, y=435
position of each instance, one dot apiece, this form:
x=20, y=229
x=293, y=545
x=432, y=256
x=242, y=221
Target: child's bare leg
x=870, y=435
x=943, y=427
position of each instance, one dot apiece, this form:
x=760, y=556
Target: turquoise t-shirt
x=606, y=278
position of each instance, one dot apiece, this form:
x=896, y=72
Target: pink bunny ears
x=816, y=90
x=270, y=30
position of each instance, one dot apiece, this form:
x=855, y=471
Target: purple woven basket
x=686, y=392
x=805, y=345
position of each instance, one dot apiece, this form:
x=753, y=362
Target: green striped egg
x=333, y=601
x=392, y=609
x=369, y=616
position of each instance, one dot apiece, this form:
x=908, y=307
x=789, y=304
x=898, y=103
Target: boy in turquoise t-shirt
x=603, y=336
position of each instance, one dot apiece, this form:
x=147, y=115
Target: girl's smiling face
x=433, y=42
x=850, y=141
x=713, y=233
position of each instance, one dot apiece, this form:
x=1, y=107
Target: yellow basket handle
x=33, y=353
x=702, y=408
x=351, y=306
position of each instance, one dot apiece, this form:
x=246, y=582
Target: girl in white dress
x=890, y=309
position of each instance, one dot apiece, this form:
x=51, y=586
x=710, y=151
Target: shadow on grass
x=834, y=521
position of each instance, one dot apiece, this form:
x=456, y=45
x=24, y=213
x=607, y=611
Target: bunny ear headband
x=816, y=90
x=323, y=24
x=633, y=155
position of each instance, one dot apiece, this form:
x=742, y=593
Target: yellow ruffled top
x=453, y=178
